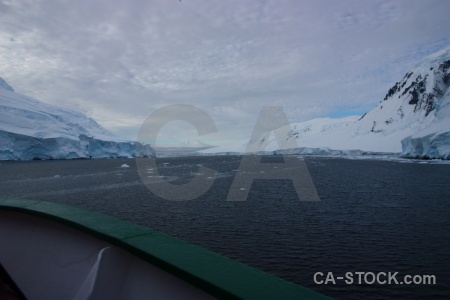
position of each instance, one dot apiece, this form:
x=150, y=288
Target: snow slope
x=412, y=119
x=30, y=129
x=4, y=85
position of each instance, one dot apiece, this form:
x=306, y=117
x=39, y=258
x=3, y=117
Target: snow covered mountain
x=30, y=129
x=413, y=119
x=4, y=85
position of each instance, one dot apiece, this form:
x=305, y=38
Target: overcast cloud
x=118, y=61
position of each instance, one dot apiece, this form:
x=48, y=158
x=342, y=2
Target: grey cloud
x=120, y=60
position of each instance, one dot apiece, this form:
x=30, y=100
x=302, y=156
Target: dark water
x=374, y=216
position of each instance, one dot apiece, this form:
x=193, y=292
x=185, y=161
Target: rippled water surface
x=373, y=215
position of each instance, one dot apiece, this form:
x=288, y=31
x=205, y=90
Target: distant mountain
x=184, y=148
x=30, y=129
x=413, y=119
x=193, y=144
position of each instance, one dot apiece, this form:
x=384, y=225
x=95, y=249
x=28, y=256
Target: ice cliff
x=30, y=129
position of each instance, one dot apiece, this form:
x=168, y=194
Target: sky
x=120, y=61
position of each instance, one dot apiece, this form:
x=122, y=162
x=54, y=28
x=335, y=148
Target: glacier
x=412, y=121
x=429, y=146
x=30, y=129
